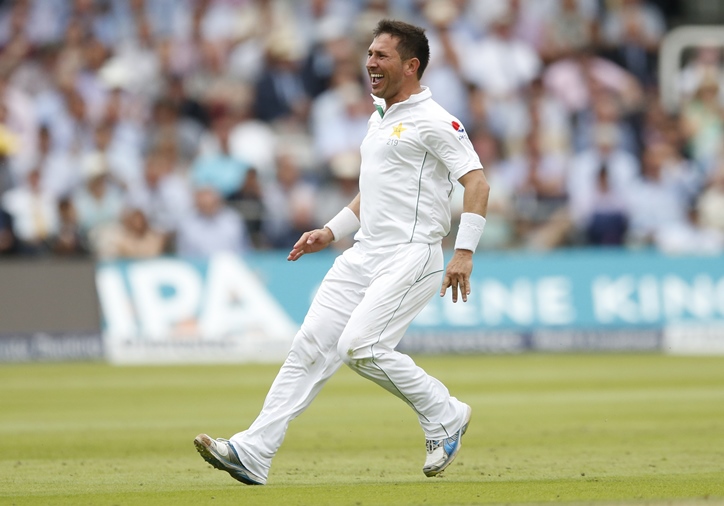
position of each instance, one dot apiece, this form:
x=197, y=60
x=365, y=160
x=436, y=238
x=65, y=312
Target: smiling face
x=391, y=78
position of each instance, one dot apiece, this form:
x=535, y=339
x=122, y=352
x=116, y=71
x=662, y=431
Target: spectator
x=59, y=174
x=605, y=109
x=280, y=91
x=702, y=123
x=19, y=123
x=70, y=57
x=253, y=140
x=529, y=17
x=566, y=31
x=133, y=238
x=632, y=34
x=548, y=119
x=246, y=52
x=209, y=70
x=212, y=228
x=180, y=134
x=340, y=115
x=34, y=213
x=656, y=200
x=312, y=19
x=249, y=202
x=705, y=63
x=72, y=130
x=89, y=82
x=444, y=70
x=541, y=196
x=217, y=167
x=289, y=204
x=139, y=58
x=500, y=64
x=689, y=237
x=70, y=240
x=502, y=67
x=163, y=195
x=586, y=182
x=123, y=157
x=45, y=21
x=188, y=108
x=37, y=76
x=99, y=201
x=639, y=20
x=710, y=206
x=572, y=80
x=15, y=37
x=606, y=218
x=331, y=49
x=217, y=19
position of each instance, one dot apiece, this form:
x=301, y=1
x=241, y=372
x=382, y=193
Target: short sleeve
x=448, y=141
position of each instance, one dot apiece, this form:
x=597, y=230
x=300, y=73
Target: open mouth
x=375, y=79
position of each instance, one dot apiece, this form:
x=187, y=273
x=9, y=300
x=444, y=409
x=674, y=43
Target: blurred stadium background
x=158, y=158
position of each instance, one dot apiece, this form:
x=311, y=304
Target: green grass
x=601, y=429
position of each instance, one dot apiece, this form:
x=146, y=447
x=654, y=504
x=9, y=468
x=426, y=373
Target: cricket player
x=412, y=153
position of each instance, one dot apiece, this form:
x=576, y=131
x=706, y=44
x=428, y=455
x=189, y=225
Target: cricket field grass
x=577, y=429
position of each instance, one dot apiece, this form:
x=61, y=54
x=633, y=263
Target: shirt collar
x=413, y=99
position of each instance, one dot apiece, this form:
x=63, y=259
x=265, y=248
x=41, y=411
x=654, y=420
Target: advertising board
x=248, y=309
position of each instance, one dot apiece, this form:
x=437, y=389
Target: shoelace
x=433, y=444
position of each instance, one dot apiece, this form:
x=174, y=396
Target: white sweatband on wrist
x=343, y=224
x=469, y=232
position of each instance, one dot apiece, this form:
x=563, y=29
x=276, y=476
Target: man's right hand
x=311, y=242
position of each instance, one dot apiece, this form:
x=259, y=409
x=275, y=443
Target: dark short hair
x=411, y=41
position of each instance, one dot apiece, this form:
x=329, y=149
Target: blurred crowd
x=136, y=128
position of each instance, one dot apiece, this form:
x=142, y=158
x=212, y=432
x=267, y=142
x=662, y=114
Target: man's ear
x=410, y=67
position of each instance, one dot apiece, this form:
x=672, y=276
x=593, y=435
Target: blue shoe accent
x=451, y=444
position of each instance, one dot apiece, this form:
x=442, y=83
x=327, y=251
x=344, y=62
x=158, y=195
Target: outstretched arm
x=317, y=240
x=475, y=201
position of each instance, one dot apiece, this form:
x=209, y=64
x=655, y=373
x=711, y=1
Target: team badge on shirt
x=460, y=130
x=397, y=131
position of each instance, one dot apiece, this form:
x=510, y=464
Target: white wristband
x=343, y=224
x=469, y=232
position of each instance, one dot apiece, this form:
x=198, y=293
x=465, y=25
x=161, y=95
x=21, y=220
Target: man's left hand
x=457, y=274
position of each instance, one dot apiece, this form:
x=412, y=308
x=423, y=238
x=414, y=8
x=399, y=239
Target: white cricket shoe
x=441, y=452
x=221, y=454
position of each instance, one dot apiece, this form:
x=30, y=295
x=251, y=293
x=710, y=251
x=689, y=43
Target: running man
x=411, y=154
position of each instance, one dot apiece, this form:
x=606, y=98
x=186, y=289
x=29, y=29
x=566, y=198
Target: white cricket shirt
x=411, y=156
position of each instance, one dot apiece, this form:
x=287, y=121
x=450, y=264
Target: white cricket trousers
x=363, y=307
